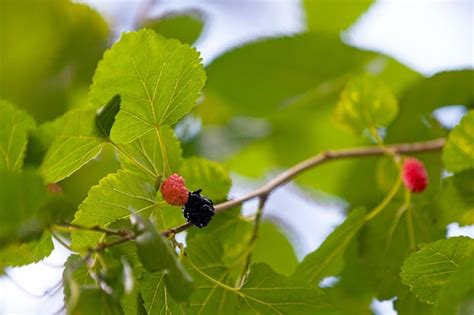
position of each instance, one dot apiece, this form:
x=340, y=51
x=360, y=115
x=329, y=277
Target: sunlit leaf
x=155, y=154
x=77, y=141
x=21, y=254
x=116, y=197
x=158, y=80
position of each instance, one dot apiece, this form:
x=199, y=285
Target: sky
x=427, y=35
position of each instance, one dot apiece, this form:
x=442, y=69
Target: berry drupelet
x=198, y=210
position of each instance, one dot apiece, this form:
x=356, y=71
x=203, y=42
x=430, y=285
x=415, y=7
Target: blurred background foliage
x=266, y=106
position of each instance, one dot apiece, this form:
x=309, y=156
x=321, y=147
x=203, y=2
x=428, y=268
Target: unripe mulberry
x=174, y=190
x=198, y=210
x=415, y=176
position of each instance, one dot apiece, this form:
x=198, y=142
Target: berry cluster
x=414, y=174
x=197, y=209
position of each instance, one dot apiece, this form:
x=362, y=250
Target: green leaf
x=158, y=80
x=455, y=199
x=209, y=176
x=47, y=79
x=14, y=127
x=156, y=255
x=22, y=196
x=328, y=259
x=77, y=142
x=365, y=103
x=270, y=236
x=266, y=292
x=106, y=117
x=184, y=26
x=458, y=154
x=155, y=154
x=116, y=197
x=415, y=120
x=457, y=295
x=408, y=304
x=390, y=237
x=156, y=297
x=429, y=269
x=328, y=16
x=94, y=301
x=19, y=254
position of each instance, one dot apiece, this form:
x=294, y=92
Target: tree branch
x=289, y=174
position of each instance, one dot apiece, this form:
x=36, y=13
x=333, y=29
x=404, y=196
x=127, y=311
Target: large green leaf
x=264, y=291
x=94, y=301
x=155, y=154
x=185, y=26
x=156, y=255
x=365, y=103
x=455, y=200
x=458, y=154
x=270, y=236
x=156, y=297
x=209, y=176
x=328, y=259
x=390, y=238
x=415, y=120
x=272, y=73
x=116, y=197
x=456, y=297
x=429, y=269
x=22, y=196
x=77, y=141
x=333, y=15
x=158, y=80
x=14, y=127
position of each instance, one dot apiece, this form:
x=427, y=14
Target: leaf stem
x=393, y=191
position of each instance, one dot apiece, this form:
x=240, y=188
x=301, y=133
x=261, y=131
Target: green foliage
x=328, y=259
x=77, y=141
x=333, y=16
x=185, y=26
x=267, y=105
x=458, y=155
x=13, y=136
x=365, y=103
x=155, y=89
x=455, y=201
x=116, y=197
x=22, y=196
x=270, y=236
x=177, y=281
x=429, y=269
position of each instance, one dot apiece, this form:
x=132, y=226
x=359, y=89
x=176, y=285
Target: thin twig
x=95, y=228
x=288, y=175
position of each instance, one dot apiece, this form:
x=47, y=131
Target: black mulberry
x=198, y=210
